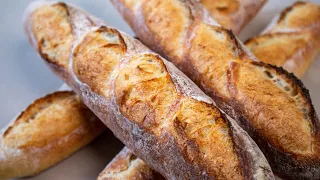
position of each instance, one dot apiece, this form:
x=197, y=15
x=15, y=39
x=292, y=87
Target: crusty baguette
x=233, y=14
x=292, y=40
x=49, y=130
x=127, y=166
x=154, y=109
x=272, y=105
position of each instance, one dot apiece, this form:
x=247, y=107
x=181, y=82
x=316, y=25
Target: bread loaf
x=49, y=130
x=127, y=166
x=233, y=14
x=154, y=109
x=292, y=40
x=272, y=105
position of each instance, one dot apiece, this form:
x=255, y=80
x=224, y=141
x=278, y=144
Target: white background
x=24, y=77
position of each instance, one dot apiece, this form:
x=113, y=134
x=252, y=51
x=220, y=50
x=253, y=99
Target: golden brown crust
x=127, y=166
x=233, y=14
x=48, y=131
x=175, y=31
x=145, y=92
x=293, y=42
x=103, y=59
x=271, y=104
x=152, y=107
x=147, y=96
x=59, y=36
x=200, y=122
x=299, y=16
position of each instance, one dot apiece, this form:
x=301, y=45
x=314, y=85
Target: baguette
x=233, y=14
x=272, y=105
x=292, y=40
x=127, y=166
x=122, y=167
x=154, y=109
x=49, y=130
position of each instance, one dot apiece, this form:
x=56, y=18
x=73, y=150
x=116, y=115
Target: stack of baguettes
x=156, y=110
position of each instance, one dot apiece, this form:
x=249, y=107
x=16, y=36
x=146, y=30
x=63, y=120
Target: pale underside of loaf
x=149, y=105
x=271, y=104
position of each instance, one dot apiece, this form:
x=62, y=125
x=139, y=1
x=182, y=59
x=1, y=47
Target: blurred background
x=24, y=77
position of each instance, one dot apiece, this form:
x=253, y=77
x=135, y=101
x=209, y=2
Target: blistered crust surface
x=96, y=58
x=53, y=35
x=147, y=96
x=291, y=41
x=48, y=131
x=233, y=14
x=176, y=32
x=145, y=92
x=208, y=50
x=45, y=121
x=223, y=12
x=299, y=15
x=239, y=79
x=269, y=102
x=277, y=49
x=222, y=67
x=132, y=91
